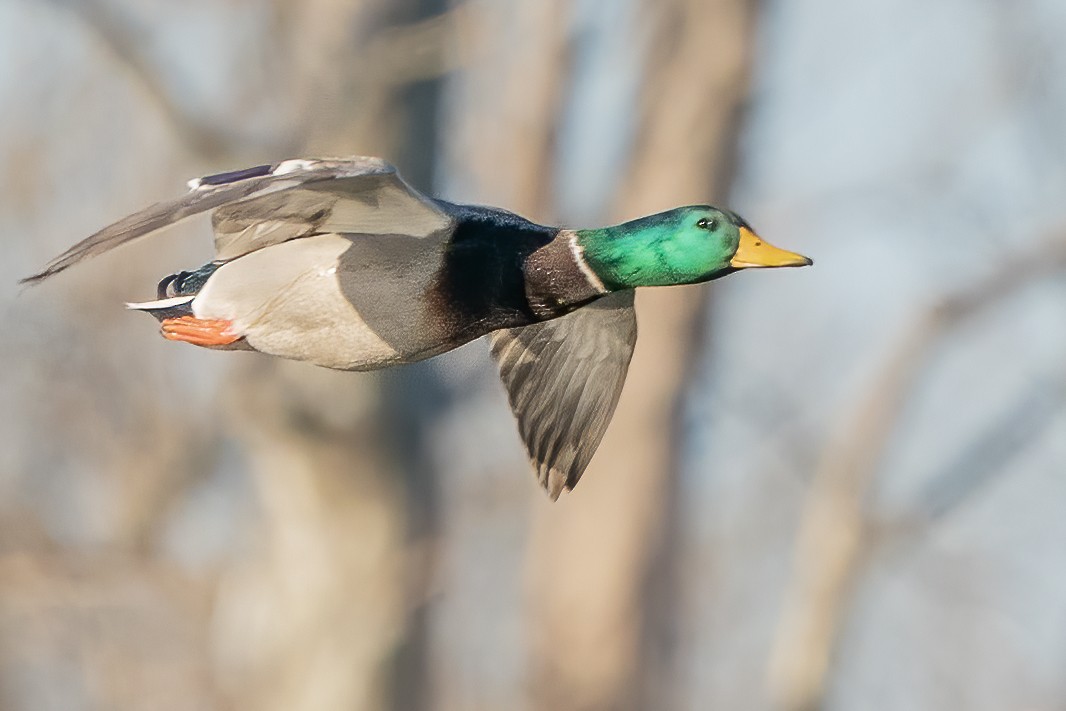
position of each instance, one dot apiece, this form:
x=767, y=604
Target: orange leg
x=199, y=332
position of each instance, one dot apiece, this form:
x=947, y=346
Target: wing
x=563, y=378
x=269, y=204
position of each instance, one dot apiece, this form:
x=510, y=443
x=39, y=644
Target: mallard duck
x=341, y=263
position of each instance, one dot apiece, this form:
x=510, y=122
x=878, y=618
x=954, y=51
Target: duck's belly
x=353, y=302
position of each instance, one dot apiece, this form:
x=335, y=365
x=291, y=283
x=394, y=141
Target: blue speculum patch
x=237, y=175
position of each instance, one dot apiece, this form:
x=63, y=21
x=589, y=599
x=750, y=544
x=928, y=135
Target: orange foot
x=198, y=331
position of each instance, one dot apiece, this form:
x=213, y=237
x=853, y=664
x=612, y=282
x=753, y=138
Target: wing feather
x=260, y=206
x=563, y=379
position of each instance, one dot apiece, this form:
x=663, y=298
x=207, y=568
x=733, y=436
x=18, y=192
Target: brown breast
x=557, y=279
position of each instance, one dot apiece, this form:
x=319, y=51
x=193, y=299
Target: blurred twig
x=120, y=33
x=421, y=50
x=980, y=463
x=505, y=140
x=394, y=56
x=834, y=535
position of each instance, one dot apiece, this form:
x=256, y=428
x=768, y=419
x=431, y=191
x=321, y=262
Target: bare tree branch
x=124, y=37
x=991, y=450
x=834, y=534
x=390, y=58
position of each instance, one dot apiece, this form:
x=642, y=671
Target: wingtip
x=57, y=265
x=555, y=483
x=34, y=279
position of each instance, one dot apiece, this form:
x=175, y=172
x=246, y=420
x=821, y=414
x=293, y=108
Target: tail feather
x=186, y=283
x=172, y=307
x=175, y=293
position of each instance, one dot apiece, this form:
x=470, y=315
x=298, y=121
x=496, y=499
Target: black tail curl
x=185, y=283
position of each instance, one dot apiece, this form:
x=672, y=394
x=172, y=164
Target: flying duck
x=340, y=263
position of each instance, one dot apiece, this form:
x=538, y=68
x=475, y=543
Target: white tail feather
x=161, y=303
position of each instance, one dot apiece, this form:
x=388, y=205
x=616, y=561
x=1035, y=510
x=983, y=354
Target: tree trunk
x=318, y=614
x=594, y=554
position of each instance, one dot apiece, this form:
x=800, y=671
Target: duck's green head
x=681, y=246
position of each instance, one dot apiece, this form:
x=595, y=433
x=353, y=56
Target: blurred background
x=833, y=488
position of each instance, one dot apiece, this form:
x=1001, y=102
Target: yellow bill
x=754, y=251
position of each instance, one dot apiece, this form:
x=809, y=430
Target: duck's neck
x=626, y=256
x=558, y=278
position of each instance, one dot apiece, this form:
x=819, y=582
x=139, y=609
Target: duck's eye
x=707, y=224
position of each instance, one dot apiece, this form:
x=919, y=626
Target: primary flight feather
x=340, y=263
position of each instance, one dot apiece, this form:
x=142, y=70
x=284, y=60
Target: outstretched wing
x=269, y=204
x=563, y=378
